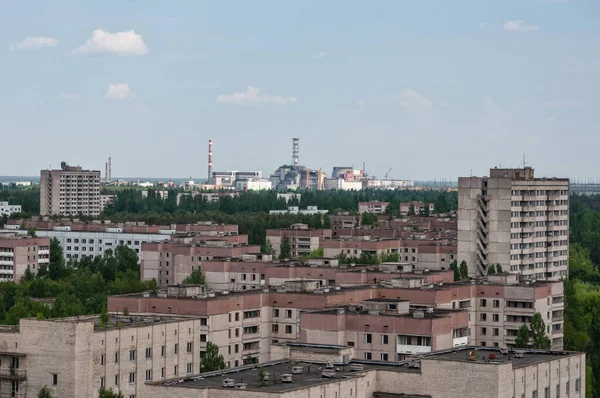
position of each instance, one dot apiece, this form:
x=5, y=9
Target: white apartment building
x=77, y=244
x=70, y=191
x=516, y=220
x=375, y=207
x=7, y=210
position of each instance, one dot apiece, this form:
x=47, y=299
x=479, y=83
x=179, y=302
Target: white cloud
x=123, y=43
x=319, y=55
x=69, y=96
x=34, y=43
x=119, y=91
x=520, y=26
x=252, y=96
x=411, y=100
x=362, y=103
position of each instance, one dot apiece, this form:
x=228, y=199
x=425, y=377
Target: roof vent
x=286, y=378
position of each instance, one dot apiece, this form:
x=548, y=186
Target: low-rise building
x=19, y=253
x=302, y=239
x=418, y=207
x=253, y=184
x=310, y=210
x=7, y=210
x=356, y=247
x=346, y=221
x=329, y=371
x=161, y=194
x=289, y=196
x=375, y=207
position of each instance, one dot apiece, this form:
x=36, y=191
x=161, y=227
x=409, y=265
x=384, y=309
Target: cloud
x=252, y=96
x=34, y=43
x=411, y=100
x=122, y=43
x=319, y=55
x=69, y=96
x=520, y=26
x=119, y=91
x=362, y=103
x=483, y=24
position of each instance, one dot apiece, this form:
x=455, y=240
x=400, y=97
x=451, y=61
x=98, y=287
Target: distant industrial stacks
x=209, y=161
x=108, y=170
x=295, y=151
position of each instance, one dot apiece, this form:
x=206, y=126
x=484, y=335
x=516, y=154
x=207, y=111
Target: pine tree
x=211, y=360
x=538, y=332
x=45, y=392
x=285, y=248
x=464, y=270
x=454, y=267
x=522, y=339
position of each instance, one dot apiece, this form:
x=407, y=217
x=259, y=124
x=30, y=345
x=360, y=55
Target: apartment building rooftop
x=119, y=321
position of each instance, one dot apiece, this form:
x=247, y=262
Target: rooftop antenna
x=524, y=163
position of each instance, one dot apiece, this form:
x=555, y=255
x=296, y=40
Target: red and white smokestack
x=109, y=169
x=209, y=160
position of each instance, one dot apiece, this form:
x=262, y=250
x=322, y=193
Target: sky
x=428, y=89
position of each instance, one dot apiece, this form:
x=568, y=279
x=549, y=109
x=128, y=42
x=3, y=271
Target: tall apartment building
x=70, y=191
x=20, y=253
x=516, y=220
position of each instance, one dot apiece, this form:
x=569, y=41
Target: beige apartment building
x=75, y=357
x=18, y=254
x=70, y=191
x=375, y=207
x=419, y=207
x=356, y=247
x=302, y=239
x=516, y=220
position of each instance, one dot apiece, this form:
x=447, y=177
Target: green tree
x=491, y=269
x=27, y=275
x=454, y=267
x=262, y=377
x=195, y=278
x=368, y=219
x=538, y=332
x=499, y=269
x=285, y=248
x=212, y=360
x=425, y=211
x=45, y=392
x=267, y=248
x=317, y=253
x=411, y=209
x=523, y=336
x=104, y=393
x=56, y=268
x=31, y=232
x=326, y=221
x=464, y=270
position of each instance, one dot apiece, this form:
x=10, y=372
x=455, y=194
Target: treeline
x=77, y=287
x=582, y=289
x=131, y=201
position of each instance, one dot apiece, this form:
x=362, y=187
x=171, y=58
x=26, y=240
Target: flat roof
x=310, y=376
x=530, y=357
x=120, y=321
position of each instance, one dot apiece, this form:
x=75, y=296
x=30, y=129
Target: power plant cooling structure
x=109, y=169
x=295, y=151
x=209, y=160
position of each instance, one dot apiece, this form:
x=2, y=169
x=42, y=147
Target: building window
x=496, y=303
x=288, y=313
x=275, y=313
x=189, y=368
x=237, y=316
x=203, y=338
x=102, y=385
x=54, y=379
x=368, y=356
x=116, y=380
x=577, y=385
x=175, y=370
x=203, y=322
x=148, y=374
x=132, y=355
x=384, y=339
x=534, y=394
x=350, y=343
x=275, y=328
x=384, y=357
x=368, y=338
x=162, y=373
x=496, y=331
x=288, y=329
x=496, y=318
x=483, y=317
x=102, y=359
x=176, y=349
x=148, y=353
x=131, y=377
x=162, y=351
x=483, y=302
x=236, y=350
x=189, y=347
x=116, y=357
x=483, y=331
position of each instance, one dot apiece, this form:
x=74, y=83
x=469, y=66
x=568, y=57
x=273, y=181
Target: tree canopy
x=211, y=359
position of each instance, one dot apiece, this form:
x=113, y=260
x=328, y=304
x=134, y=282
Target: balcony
x=460, y=341
x=412, y=349
x=43, y=252
x=43, y=260
x=6, y=262
x=7, y=254
x=13, y=374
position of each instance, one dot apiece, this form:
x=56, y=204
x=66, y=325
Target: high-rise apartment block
x=516, y=220
x=70, y=191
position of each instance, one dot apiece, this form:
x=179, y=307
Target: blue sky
x=430, y=89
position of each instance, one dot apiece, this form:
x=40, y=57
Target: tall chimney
x=106, y=172
x=209, y=161
x=109, y=169
x=295, y=155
